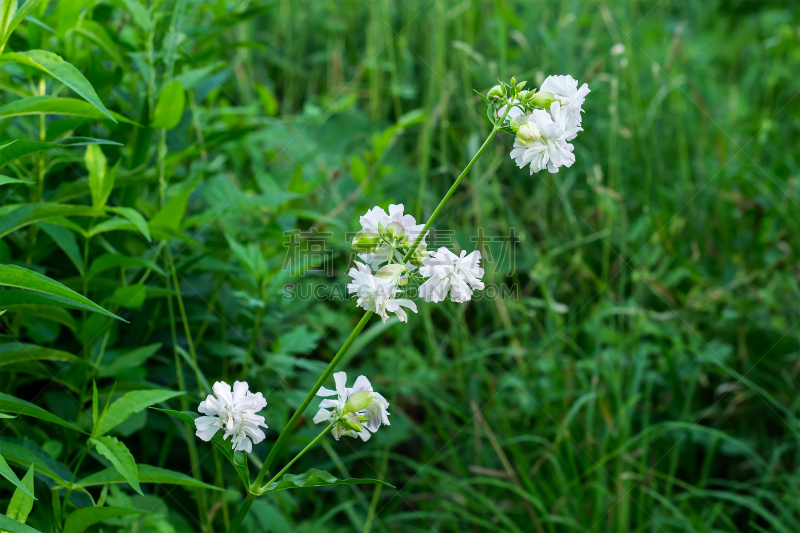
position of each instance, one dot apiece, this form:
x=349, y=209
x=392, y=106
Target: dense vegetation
x=640, y=372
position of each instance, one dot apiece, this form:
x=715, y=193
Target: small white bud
x=527, y=133
x=358, y=401
x=395, y=230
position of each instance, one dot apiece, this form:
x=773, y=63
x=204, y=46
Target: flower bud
x=520, y=85
x=542, y=100
x=366, y=241
x=516, y=122
x=358, y=401
x=528, y=132
x=352, y=422
x=395, y=230
x=419, y=254
x=523, y=95
x=495, y=93
x=403, y=281
x=390, y=273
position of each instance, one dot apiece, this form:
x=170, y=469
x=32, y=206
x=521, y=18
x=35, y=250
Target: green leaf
x=46, y=465
x=138, y=13
x=9, y=474
x=109, y=261
x=3, y=415
x=11, y=17
x=65, y=240
x=11, y=404
x=16, y=216
x=21, y=502
x=97, y=34
x=319, y=478
x=5, y=180
x=11, y=525
x=81, y=519
x=53, y=105
x=22, y=147
x=129, y=296
x=17, y=352
x=169, y=108
x=14, y=276
x=267, y=100
x=134, y=217
x=171, y=214
x=130, y=403
x=101, y=180
x=237, y=459
x=129, y=360
x=47, y=312
x=147, y=474
x=53, y=65
x=119, y=455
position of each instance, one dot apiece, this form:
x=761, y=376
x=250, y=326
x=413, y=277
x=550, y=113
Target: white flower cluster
x=235, y=413
x=386, y=238
x=355, y=410
x=544, y=122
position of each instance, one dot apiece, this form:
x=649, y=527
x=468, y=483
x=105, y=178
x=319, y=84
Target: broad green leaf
x=53, y=65
x=9, y=474
x=108, y=261
x=53, y=105
x=17, y=352
x=132, y=402
x=119, y=455
x=22, y=500
x=10, y=404
x=129, y=360
x=14, y=276
x=169, y=108
x=129, y=296
x=267, y=100
x=135, y=218
x=237, y=459
x=44, y=464
x=171, y=214
x=65, y=240
x=96, y=33
x=81, y=519
x=22, y=147
x=101, y=178
x=11, y=525
x=147, y=474
x=319, y=478
x=16, y=216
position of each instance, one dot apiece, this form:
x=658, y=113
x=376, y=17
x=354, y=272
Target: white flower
x=451, y=273
x=565, y=89
x=551, y=150
x=236, y=413
x=514, y=112
x=376, y=294
x=375, y=410
x=376, y=220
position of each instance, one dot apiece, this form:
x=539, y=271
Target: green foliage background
x=644, y=375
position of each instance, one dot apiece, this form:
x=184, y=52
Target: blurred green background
x=642, y=373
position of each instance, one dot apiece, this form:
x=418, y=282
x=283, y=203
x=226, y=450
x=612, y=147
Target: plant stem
x=296, y=457
x=310, y=396
x=454, y=187
x=255, y=486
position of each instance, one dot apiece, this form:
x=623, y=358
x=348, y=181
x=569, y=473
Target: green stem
x=453, y=188
x=350, y=339
x=310, y=396
x=296, y=457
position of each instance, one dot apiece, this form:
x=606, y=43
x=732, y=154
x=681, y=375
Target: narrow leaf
x=9, y=474
x=53, y=105
x=119, y=455
x=11, y=404
x=21, y=502
x=109, y=261
x=17, y=352
x=14, y=276
x=134, y=217
x=129, y=360
x=319, y=478
x=16, y=216
x=171, y=214
x=12, y=526
x=65, y=240
x=147, y=474
x=130, y=403
x=53, y=65
x=81, y=519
